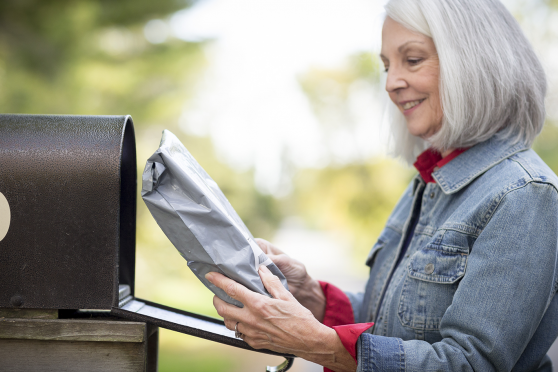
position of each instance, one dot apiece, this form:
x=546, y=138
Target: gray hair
x=490, y=78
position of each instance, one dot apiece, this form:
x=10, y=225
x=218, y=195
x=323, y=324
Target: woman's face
x=413, y=73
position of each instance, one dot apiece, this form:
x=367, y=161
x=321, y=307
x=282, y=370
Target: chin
x=418, y=132
x=421, y=130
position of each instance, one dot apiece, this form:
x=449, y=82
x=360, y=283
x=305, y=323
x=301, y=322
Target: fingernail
x=209, y=276
x=265, y=269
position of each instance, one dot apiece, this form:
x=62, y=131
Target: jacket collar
x=462, y=170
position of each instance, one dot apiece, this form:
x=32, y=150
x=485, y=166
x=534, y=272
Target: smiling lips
x=409, y=105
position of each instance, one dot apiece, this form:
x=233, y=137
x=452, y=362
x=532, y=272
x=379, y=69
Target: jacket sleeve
x=508, y=285
x=356, y=300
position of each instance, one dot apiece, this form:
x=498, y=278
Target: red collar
x=430, y=160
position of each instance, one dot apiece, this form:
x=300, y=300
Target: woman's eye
x=386, y=69
x=414, y=61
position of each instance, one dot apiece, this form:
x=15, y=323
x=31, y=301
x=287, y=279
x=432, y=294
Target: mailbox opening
x=127, y=217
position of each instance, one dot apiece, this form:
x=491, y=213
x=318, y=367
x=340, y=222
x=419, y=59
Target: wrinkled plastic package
x=199, y=220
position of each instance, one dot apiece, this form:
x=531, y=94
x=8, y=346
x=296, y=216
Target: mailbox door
x=182, y=321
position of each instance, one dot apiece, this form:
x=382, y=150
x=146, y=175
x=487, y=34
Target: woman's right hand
x=294, y=271
x=306, y=290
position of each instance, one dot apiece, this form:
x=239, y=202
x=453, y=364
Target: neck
x=446, y=152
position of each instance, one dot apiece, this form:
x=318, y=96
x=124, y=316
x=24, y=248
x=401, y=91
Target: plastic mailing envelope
x=199, y=220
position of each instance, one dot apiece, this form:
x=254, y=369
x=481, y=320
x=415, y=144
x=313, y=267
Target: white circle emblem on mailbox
x=5, y=216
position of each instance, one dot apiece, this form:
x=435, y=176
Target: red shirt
x=339, y=316
x=431, y=160
x=339, y=311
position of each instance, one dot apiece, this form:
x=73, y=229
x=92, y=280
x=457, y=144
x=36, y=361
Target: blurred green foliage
x=173, y=359
x=333, y=85
x=90, y=57
x=546, y=145
x=329, y=91
x=355, y=199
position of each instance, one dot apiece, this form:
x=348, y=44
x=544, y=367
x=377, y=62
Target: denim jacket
x=475, y=288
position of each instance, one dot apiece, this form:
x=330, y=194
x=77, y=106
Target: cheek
x=430, y=85
x=393, y=98
x=436, y=104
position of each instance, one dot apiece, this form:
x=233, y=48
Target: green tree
x=90, y=57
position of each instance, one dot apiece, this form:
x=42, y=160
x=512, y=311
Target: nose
x=395, y=79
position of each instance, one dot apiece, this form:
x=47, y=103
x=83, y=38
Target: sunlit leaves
x=355, y=199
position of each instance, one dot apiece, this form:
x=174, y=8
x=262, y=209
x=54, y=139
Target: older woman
x=464, y=275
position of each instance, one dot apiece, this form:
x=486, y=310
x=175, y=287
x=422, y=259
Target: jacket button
x=429, y=268
x=432, y=195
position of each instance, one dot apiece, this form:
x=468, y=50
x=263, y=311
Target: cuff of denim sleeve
x=378, y=353
x=338, y=309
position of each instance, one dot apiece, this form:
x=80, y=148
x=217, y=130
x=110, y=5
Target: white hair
x=491, y=81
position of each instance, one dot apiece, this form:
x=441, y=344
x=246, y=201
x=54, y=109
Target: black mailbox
x=70, y=184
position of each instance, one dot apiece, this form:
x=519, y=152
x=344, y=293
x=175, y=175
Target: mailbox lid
x=182, y=321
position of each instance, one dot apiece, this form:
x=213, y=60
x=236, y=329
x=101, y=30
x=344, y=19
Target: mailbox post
x=67, y=244
x=37, y=340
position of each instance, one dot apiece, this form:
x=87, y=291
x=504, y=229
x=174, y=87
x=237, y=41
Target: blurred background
x=280, y=101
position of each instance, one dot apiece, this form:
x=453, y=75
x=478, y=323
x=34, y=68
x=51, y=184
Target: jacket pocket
x=432, y=278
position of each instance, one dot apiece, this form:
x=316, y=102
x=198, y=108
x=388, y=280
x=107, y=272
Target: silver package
x=199, y=220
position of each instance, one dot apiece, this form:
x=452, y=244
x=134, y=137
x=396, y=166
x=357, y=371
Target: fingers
x=275, y=254
x=267, y=247
x=273, y=284
x=256, y=339
x=231, y=288
x=226, y=310
x=242, y=327
x=264, y=245
x=282, y=261
x=231, y=324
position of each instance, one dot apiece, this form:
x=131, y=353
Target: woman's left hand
x=280, y=323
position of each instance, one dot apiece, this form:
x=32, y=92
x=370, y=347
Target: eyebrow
x=407, y=43
x=400, y=49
